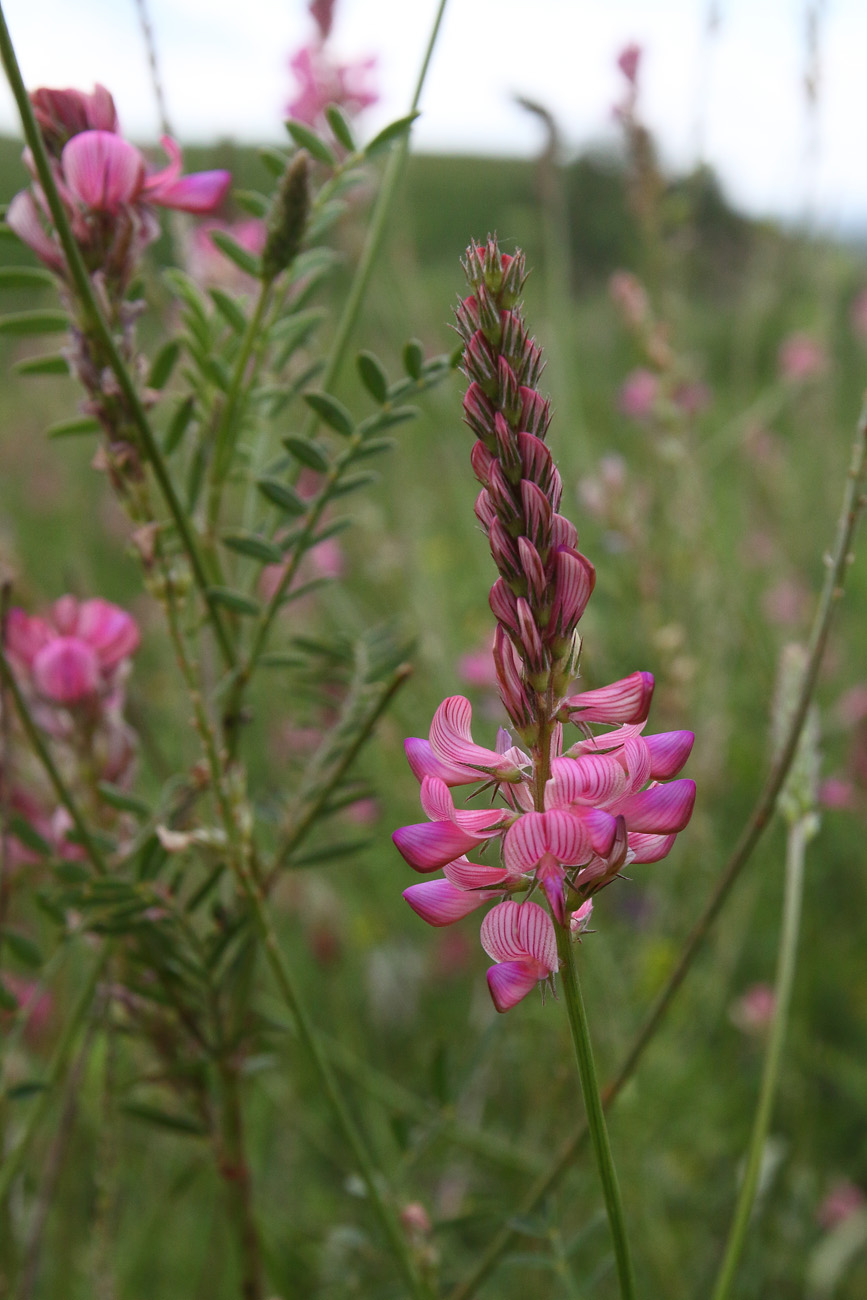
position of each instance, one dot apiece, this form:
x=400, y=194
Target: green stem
x=375, y=233
x=236, y=1176
x=800, y=832
x=44, y=755
x=593, y=1106
x=832, y=591
x=13, y=1160
x=95, y=320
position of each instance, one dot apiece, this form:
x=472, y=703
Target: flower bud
x=287, y=219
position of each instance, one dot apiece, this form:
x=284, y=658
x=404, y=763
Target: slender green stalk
x=375, y=231
x=95, y=320
x=799, y=835
x=236, y=1176
x=13, y=1160
x=852, y=508
x=593, y=1106
x=44, y=755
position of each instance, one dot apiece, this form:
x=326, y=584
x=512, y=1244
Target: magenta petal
x=439, y=902
x=627, y=700
x=660, y=810
x=199, y=193
x=109, y=630
x=669, y=750
x=424, y=762
x=511, y=981
x=25, y=636
x=599, y=826
x=649, y=848
x=552, y=876
x=66, y=670
x=24, y=217
x=102, y=170
x=452, y=742
x=427, y=846
x=635, y=760
x=593, y=779
x=474, y=875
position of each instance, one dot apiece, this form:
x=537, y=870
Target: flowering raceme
x=571, y=816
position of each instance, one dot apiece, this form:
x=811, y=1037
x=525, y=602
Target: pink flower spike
x=661, y=810
x=200, y=193
x=452, y=743
x=102, y=170
x=536, y=834
x=627, y=700
x=439, y=902
x=519, y=936
x=669, y=751
x=66, y=671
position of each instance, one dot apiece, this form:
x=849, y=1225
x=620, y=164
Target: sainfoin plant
x=234, y=1062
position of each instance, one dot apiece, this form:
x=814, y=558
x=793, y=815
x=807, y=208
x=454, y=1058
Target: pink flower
x=628, y=61
x=107, y=173
x=62, y=114
x=638, y=394
x=210, y=266
x=801, y=357
x=322, y=82
x=754, y=1011
x=837, y=793
x=844, y=1199
x=76, y=654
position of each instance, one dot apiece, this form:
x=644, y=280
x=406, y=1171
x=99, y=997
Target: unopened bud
x=287, y=219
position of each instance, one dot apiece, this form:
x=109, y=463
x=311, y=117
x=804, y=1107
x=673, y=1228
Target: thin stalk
x=593, y=1106
x=44, y=755
x=14, y=1159
x=375, y=232
x=95, y=320
x=800, y=833
x=838, y=561
x=236, y=1176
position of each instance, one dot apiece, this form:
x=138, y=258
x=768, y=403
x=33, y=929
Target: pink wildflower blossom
x=844, y=1199
x=801, y=357
x=210, y=266
x=570, y=817
x=322, y=82
x=628, y=61
x=754, y=1011
x=77, y=652
x=638, y=394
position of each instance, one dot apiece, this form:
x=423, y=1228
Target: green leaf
x=22, y=947
x=275, y=160
x=8, y=1001
x=163, y=364
x=73, y=428
x=30, y=838
x=25, y=277
x=236, y=601
x=281, y=495
x=242, y=258
x=229, y=310
x=120, y=799
x=251, y=201
x=26, y=1088
x=343, y=849
x=34, y=322
x=164, y=1119
x=340, y=126
x=308, y=453
x=184, y=287
x=373, y=376
x=373, y=447
x=309, y=140
x=252, y=544
x=71, y=873
x=352, y=482
x=52, y=364
x=179, y=424
x=331, y=412
x=413, y=358
x=391, y=132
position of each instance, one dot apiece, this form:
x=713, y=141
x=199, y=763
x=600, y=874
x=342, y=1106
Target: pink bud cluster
x=105, y=185
x=72, y=667
x=570, y=819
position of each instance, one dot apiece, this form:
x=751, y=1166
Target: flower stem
x=236, y=1175
x=593, y=1106
x=94, y=317
x=800, y=832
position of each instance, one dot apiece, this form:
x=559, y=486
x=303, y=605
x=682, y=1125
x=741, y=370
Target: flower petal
x=452, y=742
x=659, y=810
x=427, y=846
x=592, y=779
x=102, y=170
x=24, y=217
x=511, y=981
x=439, y=902
x=474, y=875
x=669, y=751
x=627, y=700
x=424, y=762
x=649, y=848
x=520, y=931
x=557, y=832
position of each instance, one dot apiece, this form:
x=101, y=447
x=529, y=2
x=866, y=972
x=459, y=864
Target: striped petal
x=592, y=779
x=660, y=810
x=437, y=802
x=424, y=762
x=669, y=751
x=474, y=875
x=627, y=700
x=102, y=170
x=534, y=834
x=439, y=902
x=511, y=981
x=452, y=742
x=649, y=848
x=636, y=761
x=520, y=932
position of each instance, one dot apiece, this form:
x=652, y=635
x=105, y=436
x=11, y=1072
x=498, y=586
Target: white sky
x=740, y=96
